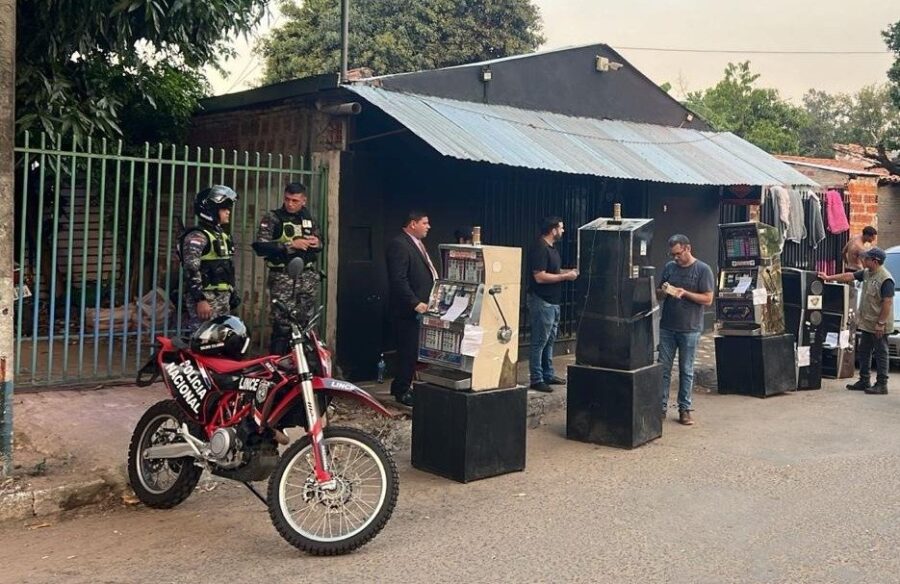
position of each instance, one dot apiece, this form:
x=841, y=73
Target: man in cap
x=876, y=318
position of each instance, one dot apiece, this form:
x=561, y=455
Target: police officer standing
x=284, y=234
x=206, y=255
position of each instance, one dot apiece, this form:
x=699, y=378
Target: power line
x=750, y=51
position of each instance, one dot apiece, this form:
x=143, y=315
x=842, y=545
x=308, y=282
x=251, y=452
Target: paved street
x=796, y=488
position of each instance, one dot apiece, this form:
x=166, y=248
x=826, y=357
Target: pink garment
x=835, y=215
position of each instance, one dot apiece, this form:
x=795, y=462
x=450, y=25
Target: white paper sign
x=803, y=356
x=759, y=296
x=460, y=303
x=831, y=339
x=742, y=285
x=845, y=339
x=473, y=336
x=814, y=302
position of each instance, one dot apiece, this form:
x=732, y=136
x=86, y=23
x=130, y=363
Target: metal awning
x=541, y=140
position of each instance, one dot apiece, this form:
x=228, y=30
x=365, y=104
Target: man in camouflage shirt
x=284, y=234
x=206, y=255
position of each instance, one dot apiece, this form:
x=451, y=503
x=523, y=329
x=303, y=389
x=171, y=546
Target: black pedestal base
x=613, y=407
x=756, y=366
x=467, y=436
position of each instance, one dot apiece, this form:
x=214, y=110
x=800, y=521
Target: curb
x=24, y=505
x=111, y=486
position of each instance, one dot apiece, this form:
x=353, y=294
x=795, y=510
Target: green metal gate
x=96, y=230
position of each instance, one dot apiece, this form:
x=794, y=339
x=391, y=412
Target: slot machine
x=470, y=332
x=469, y=414
x=754, y=355
x=749, y=295
x=613, y=391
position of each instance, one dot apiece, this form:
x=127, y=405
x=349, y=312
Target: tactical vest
x=870, y=302
x=216, y=265
x=288, y=227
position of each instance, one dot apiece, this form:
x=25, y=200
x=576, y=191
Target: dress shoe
x=541, y=386
x=877, y=389
x=684, y=418
x=554, y=380
x=406, y=398
x=860, y=385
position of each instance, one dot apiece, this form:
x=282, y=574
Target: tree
x=756, y=114
x=867, y=118
x=892, y=38
x=392, y=36
x=109, y=66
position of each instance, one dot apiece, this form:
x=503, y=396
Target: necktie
x=434, y=274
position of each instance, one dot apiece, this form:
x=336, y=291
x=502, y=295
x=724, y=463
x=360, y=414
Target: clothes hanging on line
x=815, y=225
x=795, y=226
x=835, y=215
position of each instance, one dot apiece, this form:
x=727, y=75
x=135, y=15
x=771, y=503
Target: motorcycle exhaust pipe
x=178, y=450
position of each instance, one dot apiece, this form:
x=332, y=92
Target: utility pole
x=7, y=225
x=345, y=37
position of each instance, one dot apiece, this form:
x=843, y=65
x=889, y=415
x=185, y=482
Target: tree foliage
x=892, y=38
x=867, y=117
x=114, y=66
x=391, y=36
x=758, y=115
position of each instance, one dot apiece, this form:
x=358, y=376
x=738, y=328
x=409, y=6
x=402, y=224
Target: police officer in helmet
x=285, y=233
x=206, y=255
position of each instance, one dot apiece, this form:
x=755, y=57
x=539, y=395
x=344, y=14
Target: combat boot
x=861, y=385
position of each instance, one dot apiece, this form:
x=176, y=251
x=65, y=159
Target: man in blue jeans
x=686, y=286
x=544, y=298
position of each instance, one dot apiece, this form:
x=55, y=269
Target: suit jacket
x=409, y=277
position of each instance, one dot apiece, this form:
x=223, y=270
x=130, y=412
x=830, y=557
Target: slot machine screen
x=741, y=245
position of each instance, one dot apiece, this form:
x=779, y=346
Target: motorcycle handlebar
x=295, y=316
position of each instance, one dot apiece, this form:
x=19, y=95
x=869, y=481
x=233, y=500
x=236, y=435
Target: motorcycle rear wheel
x=161, y=483
x=326, y=522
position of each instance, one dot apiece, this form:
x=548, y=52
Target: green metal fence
x=96, y=231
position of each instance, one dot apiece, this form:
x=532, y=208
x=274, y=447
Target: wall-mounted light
x=603, y=64
x=486, y=73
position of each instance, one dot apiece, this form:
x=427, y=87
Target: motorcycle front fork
x=314, y=419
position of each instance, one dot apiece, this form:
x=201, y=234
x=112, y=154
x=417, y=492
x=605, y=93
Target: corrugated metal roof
x=542, y=140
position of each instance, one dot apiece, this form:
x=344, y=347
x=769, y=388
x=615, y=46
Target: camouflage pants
x=303, y=296
x=219, y=302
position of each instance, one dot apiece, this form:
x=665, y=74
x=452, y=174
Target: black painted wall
x=564, y=81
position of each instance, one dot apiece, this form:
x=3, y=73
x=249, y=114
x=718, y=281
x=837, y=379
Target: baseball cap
x=876, y=253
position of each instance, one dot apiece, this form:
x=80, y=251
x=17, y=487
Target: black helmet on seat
x=208, y=202
x=224, y=336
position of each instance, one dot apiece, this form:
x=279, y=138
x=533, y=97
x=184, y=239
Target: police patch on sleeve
x=197, y=241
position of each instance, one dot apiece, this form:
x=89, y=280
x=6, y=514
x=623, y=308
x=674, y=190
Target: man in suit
x=411, y=275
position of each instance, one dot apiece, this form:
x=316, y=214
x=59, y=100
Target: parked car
x=892, y=263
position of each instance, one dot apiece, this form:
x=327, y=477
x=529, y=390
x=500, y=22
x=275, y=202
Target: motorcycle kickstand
x=255, y=492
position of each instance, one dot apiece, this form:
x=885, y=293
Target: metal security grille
x=515, y=201
x=96, y=232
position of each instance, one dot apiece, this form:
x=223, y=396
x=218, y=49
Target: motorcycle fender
x=337, y=388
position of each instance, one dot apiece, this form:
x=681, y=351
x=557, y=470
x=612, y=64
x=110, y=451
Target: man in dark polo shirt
x=686, y=286
x=876, y=318
x=544, y=298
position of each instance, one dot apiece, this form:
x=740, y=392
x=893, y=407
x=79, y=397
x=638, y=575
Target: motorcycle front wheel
x=333, y=519
x=162, y=482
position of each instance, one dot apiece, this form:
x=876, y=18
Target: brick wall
x=863, y=195
x=295, y=130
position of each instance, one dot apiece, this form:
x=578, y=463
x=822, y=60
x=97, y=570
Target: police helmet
x=208, y=202
x=224, y=336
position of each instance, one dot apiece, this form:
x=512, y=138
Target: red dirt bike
x=330, y=492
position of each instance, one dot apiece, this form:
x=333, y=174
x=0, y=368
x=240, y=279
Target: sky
x=733, y=25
